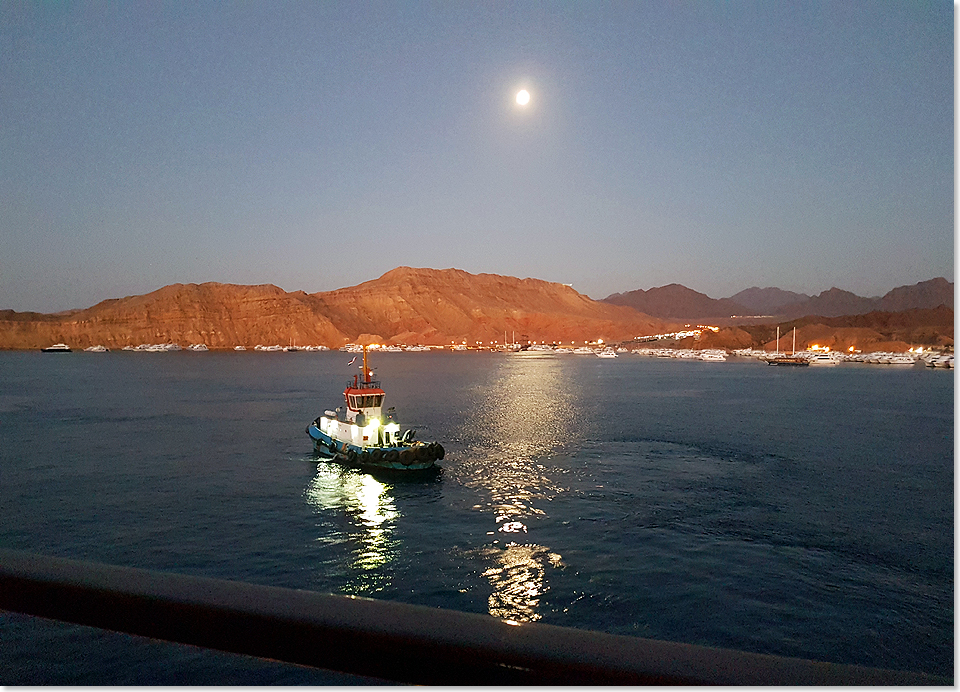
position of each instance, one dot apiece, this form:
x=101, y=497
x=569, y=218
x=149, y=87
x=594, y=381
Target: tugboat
x=363, y=437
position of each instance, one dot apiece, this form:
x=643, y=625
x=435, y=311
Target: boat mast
x=778, y=341
x=794, y=342
x=365, y=377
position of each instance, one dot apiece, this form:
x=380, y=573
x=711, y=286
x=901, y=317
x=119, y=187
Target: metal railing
x=392, y=641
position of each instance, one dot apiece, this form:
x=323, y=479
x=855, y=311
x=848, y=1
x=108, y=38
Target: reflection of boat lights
x=375, y=509
x=370, y=504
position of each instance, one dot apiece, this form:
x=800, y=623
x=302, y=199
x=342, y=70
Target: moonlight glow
x=523, y=97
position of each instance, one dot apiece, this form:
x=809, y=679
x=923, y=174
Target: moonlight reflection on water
x=527, y=413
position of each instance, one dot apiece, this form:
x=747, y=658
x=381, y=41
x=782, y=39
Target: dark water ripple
x=803, y=513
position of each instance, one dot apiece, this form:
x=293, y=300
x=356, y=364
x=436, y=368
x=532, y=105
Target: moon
x=523, y=97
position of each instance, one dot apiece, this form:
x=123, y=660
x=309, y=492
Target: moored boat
x=56, y=348
x=793, y=359
x=789, y=360
x=360, y=434
x=899, y=359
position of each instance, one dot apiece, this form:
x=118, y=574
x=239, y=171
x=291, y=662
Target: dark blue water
x=800, y=512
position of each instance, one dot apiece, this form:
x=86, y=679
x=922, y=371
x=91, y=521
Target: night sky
x=312, y=145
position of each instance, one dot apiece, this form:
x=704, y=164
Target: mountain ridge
x=675, y=301
x=405, y=305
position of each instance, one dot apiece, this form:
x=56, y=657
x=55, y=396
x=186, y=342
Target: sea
x=803, y=512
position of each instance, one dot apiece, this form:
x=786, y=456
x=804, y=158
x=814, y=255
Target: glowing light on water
x=372, y=509
x=519, y=581
x=527, y=414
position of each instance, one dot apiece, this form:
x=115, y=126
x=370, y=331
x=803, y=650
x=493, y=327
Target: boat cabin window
x=366, y=401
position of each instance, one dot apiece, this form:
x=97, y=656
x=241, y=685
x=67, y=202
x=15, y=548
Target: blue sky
x=317, y=145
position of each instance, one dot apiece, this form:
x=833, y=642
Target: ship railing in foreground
x=390, y=641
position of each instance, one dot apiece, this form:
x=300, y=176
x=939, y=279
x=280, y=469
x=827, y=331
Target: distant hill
x=675, y=301
x=766, y=301
x=926, y=294
x=836, y=302
x=832, y=303
x=678, y=302
x=405, y=305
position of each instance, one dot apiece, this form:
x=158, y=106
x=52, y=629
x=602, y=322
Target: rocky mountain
x=836, y=303
x=832, y=303
x=219, y=315
x=403, y=306
x=926, y=294
x=766, y=301
x=439, y=306
x=432, y=306
x=675, y=301
x=678, y=302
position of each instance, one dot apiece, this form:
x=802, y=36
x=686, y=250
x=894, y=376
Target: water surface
x=801, y=512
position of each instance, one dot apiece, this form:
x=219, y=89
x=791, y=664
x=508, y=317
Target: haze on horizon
x=317, y=146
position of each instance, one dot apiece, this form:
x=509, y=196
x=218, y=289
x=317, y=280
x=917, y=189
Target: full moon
x=523, y=97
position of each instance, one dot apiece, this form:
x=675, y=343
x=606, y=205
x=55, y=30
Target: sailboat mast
x=778, y=339
x=794, y=342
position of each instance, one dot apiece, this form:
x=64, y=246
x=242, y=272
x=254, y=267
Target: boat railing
x=390, y=641
x=369, y=384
